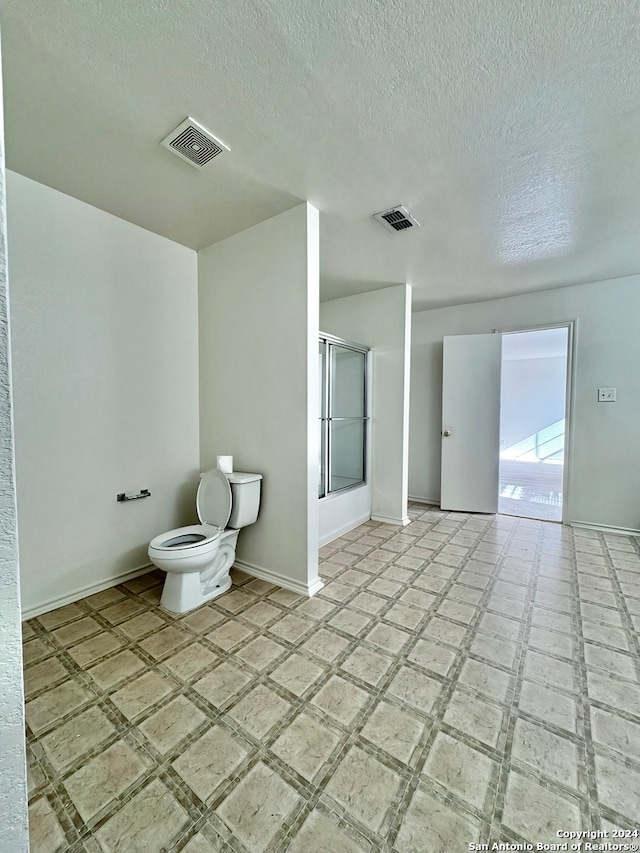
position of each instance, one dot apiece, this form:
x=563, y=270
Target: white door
x=471, y=422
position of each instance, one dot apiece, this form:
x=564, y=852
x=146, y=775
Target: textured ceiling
x=509, y=130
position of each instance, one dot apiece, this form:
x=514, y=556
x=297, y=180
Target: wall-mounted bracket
x=123, y=496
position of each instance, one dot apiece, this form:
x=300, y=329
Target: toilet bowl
x=198, y=558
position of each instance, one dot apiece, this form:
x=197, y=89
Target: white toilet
x=198, y=558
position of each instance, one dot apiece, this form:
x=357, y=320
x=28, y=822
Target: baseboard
x=279, y=580
x=388, y=519
x=427, y=501
x=84, y=592
x=605, y=528
x=340, y=531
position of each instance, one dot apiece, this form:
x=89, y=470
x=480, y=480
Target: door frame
x=572, y=338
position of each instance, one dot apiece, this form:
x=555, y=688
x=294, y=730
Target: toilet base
x=181, y=597
x=184, y=591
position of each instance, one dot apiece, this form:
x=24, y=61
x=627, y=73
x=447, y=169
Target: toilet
x=198, y=558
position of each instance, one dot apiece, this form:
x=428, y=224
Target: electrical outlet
x=606, y=395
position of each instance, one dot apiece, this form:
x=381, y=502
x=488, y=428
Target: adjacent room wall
x=532, y=397
x=13, y=771
x=105, y=354
x=381, y=319
x=604, y=486
x=258, y=385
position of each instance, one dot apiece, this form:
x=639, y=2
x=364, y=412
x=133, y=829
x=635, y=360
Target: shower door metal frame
x=328, y=341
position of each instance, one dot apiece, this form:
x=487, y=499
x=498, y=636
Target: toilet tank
x=245, y=493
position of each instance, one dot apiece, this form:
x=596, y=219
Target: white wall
x=13, y=771
x=258, y=385
x=604, y=486
x=532, y=396
x=381, y=319
x=105, y=355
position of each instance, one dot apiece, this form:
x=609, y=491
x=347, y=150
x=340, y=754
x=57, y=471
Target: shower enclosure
x=342, y=445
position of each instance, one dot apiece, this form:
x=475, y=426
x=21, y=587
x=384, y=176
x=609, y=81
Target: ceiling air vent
x=397, y=219
x=193, y=143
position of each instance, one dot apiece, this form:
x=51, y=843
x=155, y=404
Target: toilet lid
x=213, y=500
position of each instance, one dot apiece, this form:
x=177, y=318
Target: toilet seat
x=213, y=502
x=205, y=533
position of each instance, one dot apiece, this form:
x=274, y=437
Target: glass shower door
x=343, y=421
x=347, y=417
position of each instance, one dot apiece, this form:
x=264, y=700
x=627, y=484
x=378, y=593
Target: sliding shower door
x=343, y=422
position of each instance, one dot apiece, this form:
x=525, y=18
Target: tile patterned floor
x=464, y=679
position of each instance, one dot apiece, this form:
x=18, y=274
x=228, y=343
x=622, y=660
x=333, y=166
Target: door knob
x=446, y=433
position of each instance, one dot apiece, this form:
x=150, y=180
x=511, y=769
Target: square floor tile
x=458, y=610
x=549, y=754
x=319, y=835
x=500, y=626
x=325, y=644
x=548, y=705
x=138, y=695
x=229, y=634
x=123, y=609
x=190, y=661
x=261, y=613
x=394, y=730
x=445, y=631
x=433, y=656
x=76, y=736
x=258, y=806
x=291, y=627
x=368, y=603
x=551, y=642
x=260, y=710
x=149, y=821
x=612, y=662
x=141, y=625
x=62, y=615
x=474, y=718
x=115, y=669
x=104, y=778
x=365, y=788
x=35, y=650
x=350, y=621
x=172, y=723
x=210, y=760
x=76, y=631
x=55, y=704
x=430, y=825
x=618, y=787
x=416, y=689
x=551, y=671
x=341, y=699
x=388, y=638
x=619, y=695
x=297, y=674
x=459, y=768
x=45, y=833
x=261, y=652
x=405, y=617
x=47, y=673
x=221, y=684
x=368, y=665
x=202, y=619
x=535, y=812
x=616, y=733
x=494, y=650
x=95, y=648
x=165, y=642
x=306, y=745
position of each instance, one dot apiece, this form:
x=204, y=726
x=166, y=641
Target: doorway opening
x=533, y=417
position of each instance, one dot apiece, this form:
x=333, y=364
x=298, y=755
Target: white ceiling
x=509, y=130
